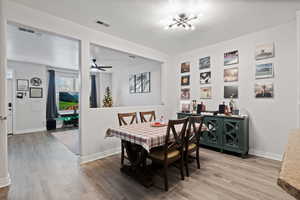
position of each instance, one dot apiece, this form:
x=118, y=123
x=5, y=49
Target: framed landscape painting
x=231, y=74
x=205, y=93
x=264, y=90
x=185, y=94
x=185, y=80
x=204, y=63
x=185, y=67
x=264, y=71
x=231, y=58
x=205, y=77
x=264, y=51
x=231, y=92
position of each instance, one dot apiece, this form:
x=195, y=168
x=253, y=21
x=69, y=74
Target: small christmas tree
x=107, y=101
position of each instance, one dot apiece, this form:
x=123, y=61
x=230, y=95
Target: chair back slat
x=122, y=116
x=148, y=113
x=194, y=129
x=179, y=136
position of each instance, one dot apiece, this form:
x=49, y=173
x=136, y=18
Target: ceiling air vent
x=103, y=23
x=26, y=30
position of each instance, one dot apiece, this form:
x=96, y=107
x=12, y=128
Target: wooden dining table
x=138, y=140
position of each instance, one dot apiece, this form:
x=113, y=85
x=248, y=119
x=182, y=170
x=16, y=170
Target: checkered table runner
x=142, y=134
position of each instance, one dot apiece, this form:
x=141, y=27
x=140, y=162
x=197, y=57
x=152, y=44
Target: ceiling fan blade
x=105, y=66
x=102, y=69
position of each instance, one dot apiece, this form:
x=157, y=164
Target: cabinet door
x=211, y=136
x=232, y=135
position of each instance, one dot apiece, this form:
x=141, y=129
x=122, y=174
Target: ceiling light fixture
x=182, y=21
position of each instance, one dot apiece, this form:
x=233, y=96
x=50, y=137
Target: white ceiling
x=42, y=48
x=56, y=51
x=140, y=20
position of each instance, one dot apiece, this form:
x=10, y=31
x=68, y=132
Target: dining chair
x=192, y=140
x=123, y=122
x=151, y=115
x=172, y=150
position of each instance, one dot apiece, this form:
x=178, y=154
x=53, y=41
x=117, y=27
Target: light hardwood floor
x=42, y=168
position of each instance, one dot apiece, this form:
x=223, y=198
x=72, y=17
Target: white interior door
x=10, y=106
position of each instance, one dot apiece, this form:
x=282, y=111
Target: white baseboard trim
x=4, y=182
x=99, y=155
x=29, y=131
x=268, y=155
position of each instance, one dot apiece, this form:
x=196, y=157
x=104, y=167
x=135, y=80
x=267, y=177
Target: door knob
x=3, y=118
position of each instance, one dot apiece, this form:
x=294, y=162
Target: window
x=67, y=84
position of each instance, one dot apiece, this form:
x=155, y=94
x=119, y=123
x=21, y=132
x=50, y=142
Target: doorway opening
x=43, y=85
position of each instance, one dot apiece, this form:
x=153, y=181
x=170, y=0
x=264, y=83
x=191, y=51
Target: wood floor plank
x=42, y=168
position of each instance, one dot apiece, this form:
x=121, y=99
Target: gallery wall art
x=205, y=77
x=22, y=85
x=140, y=83
x=264, y=90
x=264, y=71
x=185, y=80
x=204, y=63
x=185, y=67
x=264, y=51
x=185, y=94
x=231, y=92
x=205, y=93
x=231, y=74
x=231, y=58
x=36, y=92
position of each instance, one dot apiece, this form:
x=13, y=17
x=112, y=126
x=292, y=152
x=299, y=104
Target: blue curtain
x=51, y=110
x=93, y=98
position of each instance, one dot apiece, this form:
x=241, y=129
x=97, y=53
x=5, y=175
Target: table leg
x=137, y=169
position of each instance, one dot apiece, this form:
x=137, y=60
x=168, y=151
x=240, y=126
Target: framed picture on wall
x=185, y=94
x=231, y=92
x=22, y=84
x=204, y=63
x=264, y=71
x=185, y=67
x=185, y=107
x=231, y=74
x=264, y=90
x=205, y=93
x=231, y=58
x=185, y=80
x=264, y=51
x=205, y=77
x=146, y=80
x=36, y=92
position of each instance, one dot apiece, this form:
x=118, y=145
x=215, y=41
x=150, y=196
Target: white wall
x=4, y=175
x=93, y=122
x=120, y=78
x=44, y=48
x=270, y=119
x=29, y=113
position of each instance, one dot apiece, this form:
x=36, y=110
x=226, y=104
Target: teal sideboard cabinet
x=230, y=133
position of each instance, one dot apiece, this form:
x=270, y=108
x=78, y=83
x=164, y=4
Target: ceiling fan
x=95, y=67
